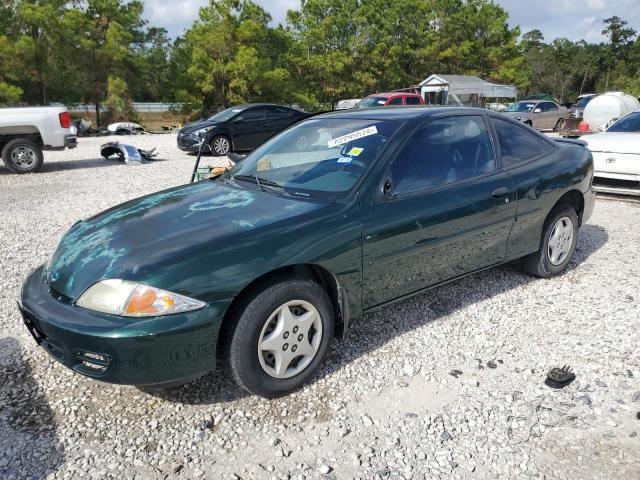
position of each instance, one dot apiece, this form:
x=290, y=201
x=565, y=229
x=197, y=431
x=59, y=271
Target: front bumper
x=121, y=350
x=188, y=142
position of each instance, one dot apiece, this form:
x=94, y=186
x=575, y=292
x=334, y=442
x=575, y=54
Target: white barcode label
x=365, y=132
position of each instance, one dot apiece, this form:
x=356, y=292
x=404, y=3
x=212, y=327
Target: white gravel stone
x=384, y=404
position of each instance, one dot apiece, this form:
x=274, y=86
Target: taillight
x=65, y=120
x=583, y=127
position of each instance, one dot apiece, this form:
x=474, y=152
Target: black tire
x=539, y=263
x=242, y=345
x=22, y=155
x=215, y=151
x=560, y=125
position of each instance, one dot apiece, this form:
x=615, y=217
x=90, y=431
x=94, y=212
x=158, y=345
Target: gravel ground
x=449, y=384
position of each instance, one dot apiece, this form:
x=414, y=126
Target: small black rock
x=491, y=364
x=560, y=377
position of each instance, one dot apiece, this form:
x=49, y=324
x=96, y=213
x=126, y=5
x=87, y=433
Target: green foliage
x=118, y=102
x=9, y=91
x=102, y=52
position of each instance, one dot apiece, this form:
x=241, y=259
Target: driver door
x=450, y=211
x=249, y=128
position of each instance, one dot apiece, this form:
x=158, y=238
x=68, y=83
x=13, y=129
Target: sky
x=574, y=19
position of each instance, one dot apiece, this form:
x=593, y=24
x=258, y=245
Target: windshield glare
x=630, y=123
x=225, y=115
x=521, y=107
x=326, y=155
x=372, y=102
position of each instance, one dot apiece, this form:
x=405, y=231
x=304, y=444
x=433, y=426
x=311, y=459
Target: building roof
x=468, y=85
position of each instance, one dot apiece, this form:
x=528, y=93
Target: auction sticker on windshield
x=365, y=132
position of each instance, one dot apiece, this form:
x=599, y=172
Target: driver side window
x=443, y=151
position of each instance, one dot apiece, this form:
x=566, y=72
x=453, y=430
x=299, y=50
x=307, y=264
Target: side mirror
x=537, y=110
x=387, y=188
x=238, y=119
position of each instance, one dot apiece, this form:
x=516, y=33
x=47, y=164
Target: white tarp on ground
x=467, y=85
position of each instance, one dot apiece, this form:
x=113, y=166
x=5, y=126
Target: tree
x=620, y=39
x=101, y=34
x=118, y=101
x=10, y=92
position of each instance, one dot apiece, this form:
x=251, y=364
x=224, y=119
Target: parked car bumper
x=70, y=141
x=188, y=142
x=618, y=183
x=121, y=350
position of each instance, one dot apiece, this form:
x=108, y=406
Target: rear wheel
x=22, y=155
x=281, y=337
x=557, y=246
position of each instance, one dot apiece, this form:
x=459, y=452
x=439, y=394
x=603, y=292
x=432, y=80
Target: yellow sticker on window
x=355, y=151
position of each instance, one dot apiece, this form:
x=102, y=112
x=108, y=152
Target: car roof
x=248, y=105
x=397, y=113
x=393, y=94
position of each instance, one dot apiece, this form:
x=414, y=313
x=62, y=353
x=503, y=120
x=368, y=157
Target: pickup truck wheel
x=280, y=337
x=22, y=155
x=558, y=243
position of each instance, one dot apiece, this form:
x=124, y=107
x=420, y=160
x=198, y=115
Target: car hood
x=139, y=237
x=192, y=127
x=614, y=142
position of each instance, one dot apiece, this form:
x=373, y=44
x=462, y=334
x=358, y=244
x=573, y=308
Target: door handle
x=500, y=192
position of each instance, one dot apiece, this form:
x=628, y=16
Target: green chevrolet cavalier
x=263, y=266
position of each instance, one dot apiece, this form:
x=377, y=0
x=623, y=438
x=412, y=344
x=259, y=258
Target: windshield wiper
x=262, y=182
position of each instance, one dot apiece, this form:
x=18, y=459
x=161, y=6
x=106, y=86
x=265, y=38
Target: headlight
x=131, y=299
x=203, y=131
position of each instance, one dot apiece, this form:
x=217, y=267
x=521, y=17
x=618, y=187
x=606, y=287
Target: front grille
x=186, y=141
x=616, y=183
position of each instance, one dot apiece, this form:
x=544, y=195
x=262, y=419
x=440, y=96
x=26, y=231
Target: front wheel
x=281, y=337
x=22, y=155
x=557, y=246
x=220, y=145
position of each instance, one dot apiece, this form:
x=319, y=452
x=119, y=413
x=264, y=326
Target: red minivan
x=391, y=99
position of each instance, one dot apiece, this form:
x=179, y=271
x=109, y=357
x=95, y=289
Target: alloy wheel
x=221, y=146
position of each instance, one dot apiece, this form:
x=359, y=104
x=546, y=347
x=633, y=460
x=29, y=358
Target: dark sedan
x=263, y=265
x=237, y=129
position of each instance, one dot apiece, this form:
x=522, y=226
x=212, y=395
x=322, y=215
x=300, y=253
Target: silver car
x=539, y=114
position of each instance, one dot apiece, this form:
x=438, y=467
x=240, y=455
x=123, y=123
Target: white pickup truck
x=26, y=132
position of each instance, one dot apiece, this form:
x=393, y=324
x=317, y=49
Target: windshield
x=324, y=155
x=583, y=101
x=521, y=107
x=225, y=115
x=630, y=123
x=372, y=102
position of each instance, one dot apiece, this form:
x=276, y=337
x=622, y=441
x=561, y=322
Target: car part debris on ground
x=560, y=377
x=125, y=128
x=126, y=153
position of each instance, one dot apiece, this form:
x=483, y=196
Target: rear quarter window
x=519, y=144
